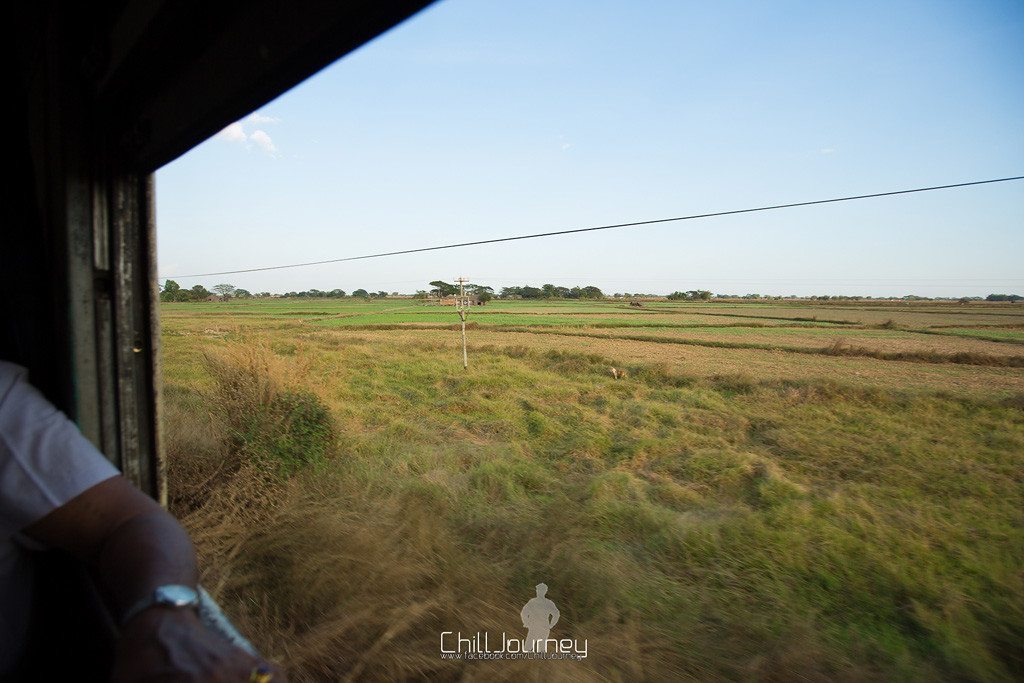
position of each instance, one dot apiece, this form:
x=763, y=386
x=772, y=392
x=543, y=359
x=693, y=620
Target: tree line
x=172, y=291
x=692, y=295
x=550, y=291
x=440, y=288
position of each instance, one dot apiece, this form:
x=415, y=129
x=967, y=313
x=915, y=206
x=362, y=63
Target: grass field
x=775, y=492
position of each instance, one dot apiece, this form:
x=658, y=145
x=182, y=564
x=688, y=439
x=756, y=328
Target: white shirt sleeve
x=44, y=460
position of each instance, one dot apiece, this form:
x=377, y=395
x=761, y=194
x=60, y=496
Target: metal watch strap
x=170, y=595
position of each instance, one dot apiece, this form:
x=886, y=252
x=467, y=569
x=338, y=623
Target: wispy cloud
x=827, y=150
x=233, y=133
x=263, y=141
x=236, y=133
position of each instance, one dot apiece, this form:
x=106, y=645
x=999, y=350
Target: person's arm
x=134, y=546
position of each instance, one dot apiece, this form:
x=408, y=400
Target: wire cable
x=553, y=233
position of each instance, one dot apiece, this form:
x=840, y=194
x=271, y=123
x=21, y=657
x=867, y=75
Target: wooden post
x=462, y=315
x=465, y=358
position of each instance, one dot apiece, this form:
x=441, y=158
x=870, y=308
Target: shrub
x=292, y=430
x=268, y=421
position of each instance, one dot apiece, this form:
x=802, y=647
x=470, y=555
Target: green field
x=776, y=491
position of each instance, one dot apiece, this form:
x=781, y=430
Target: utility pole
x=461, y=308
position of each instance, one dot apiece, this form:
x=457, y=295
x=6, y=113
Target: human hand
x=173, y=645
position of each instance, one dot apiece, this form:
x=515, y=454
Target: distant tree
x=510, y=293
x=199, y=293
x=420, y=294
x=443, y=288
x=528, y=292
x=484, y=296
x=337, y=293
x=243, y=293
x=361, y=293
x=382, y=295
x=1003, y=297
x=550, y=292
x=591, y=292
x=225, y=291
x=173, y=292
x=691, y=295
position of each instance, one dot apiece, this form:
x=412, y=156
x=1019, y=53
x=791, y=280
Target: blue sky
x=479, y=119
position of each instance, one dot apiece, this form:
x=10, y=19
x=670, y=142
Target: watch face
x=179, y=596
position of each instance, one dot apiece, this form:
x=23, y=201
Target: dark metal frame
x=104, y=94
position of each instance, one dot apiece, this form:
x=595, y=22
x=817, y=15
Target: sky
x=478, y=119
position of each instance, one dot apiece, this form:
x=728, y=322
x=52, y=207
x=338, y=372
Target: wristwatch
x=170, y=595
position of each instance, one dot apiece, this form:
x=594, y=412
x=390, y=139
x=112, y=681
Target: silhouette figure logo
x=539, y=616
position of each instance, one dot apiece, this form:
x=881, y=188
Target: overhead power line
x=634, y=224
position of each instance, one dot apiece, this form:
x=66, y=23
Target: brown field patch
x=885, y=341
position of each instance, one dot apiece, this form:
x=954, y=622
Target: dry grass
x=721, y=514
x=690, y=529
x=841, y=347
x=770, y=365
x=838, y=347
x=875, y=340
x=325, y=576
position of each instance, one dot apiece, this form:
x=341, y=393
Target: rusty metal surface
x=152, y=316
x=130, y=220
